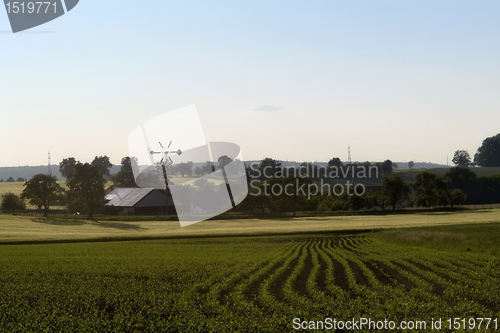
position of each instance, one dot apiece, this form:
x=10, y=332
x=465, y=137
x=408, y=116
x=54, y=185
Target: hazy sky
x=297, y=80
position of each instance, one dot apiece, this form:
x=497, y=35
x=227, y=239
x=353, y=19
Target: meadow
x=35, y=228
x=236, y=275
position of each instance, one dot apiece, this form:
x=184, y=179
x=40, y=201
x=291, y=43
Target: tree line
x=459, y=185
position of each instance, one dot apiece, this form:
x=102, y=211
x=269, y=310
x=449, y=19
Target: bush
x=12, y=203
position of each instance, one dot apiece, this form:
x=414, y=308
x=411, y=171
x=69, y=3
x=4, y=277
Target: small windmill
x=165, y=159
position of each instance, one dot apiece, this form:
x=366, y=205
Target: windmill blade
x=160, y=145
x=169, y=144
x=171, y=160
x=151, y=152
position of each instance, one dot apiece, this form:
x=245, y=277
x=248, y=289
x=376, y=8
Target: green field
x=248, y=283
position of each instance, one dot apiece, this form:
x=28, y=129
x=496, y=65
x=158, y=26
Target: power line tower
x=49, y=166
x=349, y=154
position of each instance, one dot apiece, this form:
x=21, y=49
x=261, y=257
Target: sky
x=291, y=80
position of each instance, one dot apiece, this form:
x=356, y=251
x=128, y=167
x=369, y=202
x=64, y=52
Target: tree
x=460, y=177
x=67, y=166
x=41, y=190
x=184, y=168
x=128, y=164
x=269, y=167
x=104, y=165
x=12, y=203
x=20, y=179
x=10, y=180
x=206, y=168
x=198, y=171
x=396, y=189
x=335, y=162
x=125, y=177
x=285, y=202
x=461, y=158
x=86, y=189
x=427, y=189
x=488, y=155
x=223, y=161
x=387, y=167
x=411, y=164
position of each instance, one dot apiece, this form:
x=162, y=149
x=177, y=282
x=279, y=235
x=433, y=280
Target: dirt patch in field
x=300, y=283
x=396, y=276
x=340, y=276
x=226, y=291
x=358, y=273
x=253, y=289
x=379, y=274
x=276, y=287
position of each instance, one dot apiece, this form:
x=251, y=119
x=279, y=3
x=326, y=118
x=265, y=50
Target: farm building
x=140, y=201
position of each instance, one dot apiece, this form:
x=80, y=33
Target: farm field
x=59, y=228
x=14, y=187
x=253, y=284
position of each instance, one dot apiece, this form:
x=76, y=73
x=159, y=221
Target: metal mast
x=49, y=166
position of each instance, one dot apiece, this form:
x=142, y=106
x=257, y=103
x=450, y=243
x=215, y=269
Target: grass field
x=252, y=284
x=14, y=187
x=18, y=187
x=32, y=228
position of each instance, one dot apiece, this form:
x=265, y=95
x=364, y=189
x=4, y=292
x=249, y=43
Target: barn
x=140, y=201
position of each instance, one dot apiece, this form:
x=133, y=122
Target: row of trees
x=458, y=185
x=488, y=155
x=10, y=180
x=84, y=193
x=86, y=181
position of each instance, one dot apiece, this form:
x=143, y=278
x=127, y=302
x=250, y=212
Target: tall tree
x=461, y=177
x=387, y=167
x=67, y=166
x=104, y=165
x=427, y=189
x=86, y=189
x=411, y=164
x=41, y=190
x=396, y=188
x=488, y=155
x=269, y=167
x=461, y=158
x=125, y=177
x=128, y=164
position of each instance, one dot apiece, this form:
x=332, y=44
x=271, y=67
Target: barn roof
x=126, y=197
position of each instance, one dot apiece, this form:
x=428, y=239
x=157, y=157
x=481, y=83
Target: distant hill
x=422, y=165
x=27, y=172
